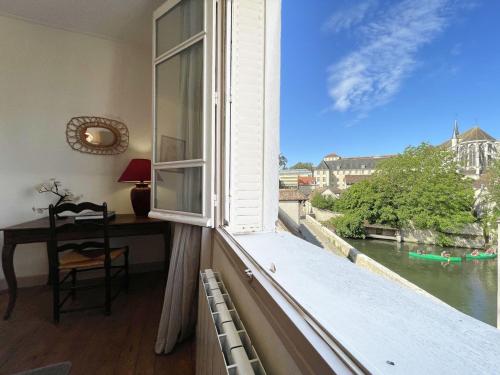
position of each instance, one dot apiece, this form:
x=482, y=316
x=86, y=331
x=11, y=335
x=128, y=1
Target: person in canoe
x=446, y=254
x=421, y=252
x=491, y=250
x=475, y=253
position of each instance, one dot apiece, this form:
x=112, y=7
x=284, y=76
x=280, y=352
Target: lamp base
x=140, y=197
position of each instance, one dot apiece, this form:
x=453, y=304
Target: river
x=469, y=286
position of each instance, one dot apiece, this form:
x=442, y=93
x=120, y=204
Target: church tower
x=454, y=139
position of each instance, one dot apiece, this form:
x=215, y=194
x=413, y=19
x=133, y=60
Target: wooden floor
x=122, y=343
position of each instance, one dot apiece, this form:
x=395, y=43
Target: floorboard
x=122, y=343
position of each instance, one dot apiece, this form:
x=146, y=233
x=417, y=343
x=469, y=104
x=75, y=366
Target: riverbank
x=470, y=237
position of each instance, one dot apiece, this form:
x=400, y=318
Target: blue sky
x=371, y=77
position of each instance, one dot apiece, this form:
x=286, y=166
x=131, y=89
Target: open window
x=183, y=113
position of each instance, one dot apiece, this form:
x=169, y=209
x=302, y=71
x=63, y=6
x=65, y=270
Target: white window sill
x=374, y=319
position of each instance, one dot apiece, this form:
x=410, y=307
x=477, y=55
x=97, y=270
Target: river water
x=469, y=286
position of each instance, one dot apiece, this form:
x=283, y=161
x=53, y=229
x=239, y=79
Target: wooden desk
x=38, y=231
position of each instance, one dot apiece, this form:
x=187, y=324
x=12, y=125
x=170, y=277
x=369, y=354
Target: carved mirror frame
x=76, y=135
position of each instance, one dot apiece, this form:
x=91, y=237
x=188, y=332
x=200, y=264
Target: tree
x=493, y=186
x=303, y=165
x=283, y=161
x=321, y=202
x=420, y=187
x=490, y=202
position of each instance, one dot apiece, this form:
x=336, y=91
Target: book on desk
x=89, y=216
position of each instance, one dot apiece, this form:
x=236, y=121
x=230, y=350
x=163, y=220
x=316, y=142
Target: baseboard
x=37, y=280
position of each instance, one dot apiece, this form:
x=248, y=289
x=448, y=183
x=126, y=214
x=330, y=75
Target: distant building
x=291, y=208
x=289, y=178
x=340, y=173
x=307, y=184
x=475, y=150
x=328, y=192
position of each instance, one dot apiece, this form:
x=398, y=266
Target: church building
x=475, y=150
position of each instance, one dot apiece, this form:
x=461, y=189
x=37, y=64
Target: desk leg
x=10, y=277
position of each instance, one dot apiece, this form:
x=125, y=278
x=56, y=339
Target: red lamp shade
x=138, y=171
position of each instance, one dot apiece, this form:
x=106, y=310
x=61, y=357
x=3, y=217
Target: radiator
x=222, y=344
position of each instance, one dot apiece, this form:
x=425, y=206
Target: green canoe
x=481, y=256
x=434, y=257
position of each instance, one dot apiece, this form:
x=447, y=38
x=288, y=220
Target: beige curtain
x=178, y=318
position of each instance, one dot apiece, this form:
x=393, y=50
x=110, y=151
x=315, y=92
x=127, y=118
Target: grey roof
x=363, y=162
x=295, y=172
x=322, y=165
x=471, y=135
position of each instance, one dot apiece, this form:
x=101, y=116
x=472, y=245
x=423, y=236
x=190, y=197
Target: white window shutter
x=254, y=127
x=247, y=115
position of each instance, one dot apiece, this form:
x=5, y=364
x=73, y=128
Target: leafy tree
x=349, y=225
x=420, y=187
x=283, y=161
x=302, y=165
x=324, y=203
x=493, y=185
x=490, y=203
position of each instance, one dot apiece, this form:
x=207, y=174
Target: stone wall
x=323, y=215
x=471, y=236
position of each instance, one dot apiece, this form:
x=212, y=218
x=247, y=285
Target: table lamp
x=138, y=172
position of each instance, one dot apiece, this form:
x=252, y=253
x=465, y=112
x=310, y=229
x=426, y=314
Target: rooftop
x=306, y=180
x=352, y=179
x=291, y=195
x=472, y=135
x=301, y=172
x=360, y=162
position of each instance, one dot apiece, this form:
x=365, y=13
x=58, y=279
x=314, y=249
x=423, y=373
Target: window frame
x=207, y=36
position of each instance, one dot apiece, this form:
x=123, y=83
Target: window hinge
x=216, y=98
x=216, y=202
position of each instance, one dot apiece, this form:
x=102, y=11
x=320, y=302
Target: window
x=182, y=188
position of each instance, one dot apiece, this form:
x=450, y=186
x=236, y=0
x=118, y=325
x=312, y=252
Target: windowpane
x=179, y=106
x=179, y=189
x=179, y=24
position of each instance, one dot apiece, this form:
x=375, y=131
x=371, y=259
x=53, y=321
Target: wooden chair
x=74, y=258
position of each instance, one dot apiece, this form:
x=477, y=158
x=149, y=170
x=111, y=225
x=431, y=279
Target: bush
x=444, y=240
x=349, y=225
x=323, y=203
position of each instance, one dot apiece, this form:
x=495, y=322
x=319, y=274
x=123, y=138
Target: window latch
x=249, y=274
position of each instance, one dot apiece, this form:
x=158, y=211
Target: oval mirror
x=98, y=136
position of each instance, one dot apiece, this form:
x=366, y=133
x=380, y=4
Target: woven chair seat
x=88, y=258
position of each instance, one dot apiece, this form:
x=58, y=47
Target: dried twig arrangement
x=54, y=187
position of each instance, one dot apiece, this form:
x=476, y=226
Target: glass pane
x=179, y=106
x=179, y=24
x=179, y=189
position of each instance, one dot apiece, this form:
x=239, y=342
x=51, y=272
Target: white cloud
x=347, y=18
x=371, y=75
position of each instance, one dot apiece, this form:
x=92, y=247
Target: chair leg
x=73, y=284
x=107, y=267
x=127, y=281
x=55, y=291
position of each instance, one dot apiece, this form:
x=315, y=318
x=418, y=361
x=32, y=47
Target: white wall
x=289, y=213
x=48, y=76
